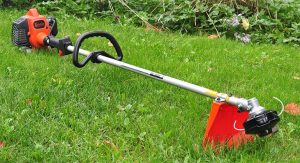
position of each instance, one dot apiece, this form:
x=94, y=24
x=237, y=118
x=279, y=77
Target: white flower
x=245, y=38
x=235, y=21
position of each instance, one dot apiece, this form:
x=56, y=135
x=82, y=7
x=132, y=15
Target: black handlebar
x=94, y=55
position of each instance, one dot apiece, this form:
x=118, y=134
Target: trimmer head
x=262, y=124
x=232, y=126
x=260, y=121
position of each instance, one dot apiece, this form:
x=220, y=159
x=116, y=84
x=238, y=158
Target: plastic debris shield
x=225, y=127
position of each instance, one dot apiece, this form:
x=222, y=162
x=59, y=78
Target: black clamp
x=60, y=44
x=94, y=55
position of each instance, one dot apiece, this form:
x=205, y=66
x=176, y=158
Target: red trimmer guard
x=220, y=126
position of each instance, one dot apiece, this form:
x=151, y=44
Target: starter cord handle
x=94, y=34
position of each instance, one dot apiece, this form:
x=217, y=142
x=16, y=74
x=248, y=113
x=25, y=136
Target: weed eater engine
x=231, y=118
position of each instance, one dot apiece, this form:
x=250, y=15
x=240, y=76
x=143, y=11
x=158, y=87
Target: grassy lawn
x=53, y=111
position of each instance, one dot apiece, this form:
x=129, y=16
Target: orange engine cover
x=38, y=28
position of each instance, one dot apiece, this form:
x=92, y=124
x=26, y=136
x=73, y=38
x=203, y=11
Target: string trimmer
x=230, y=118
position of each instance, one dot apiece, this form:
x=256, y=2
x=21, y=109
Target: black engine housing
x=20, y=32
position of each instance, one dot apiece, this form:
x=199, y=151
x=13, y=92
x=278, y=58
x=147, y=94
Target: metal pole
x=240, y=102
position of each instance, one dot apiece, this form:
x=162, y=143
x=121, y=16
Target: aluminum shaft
x=240, y=102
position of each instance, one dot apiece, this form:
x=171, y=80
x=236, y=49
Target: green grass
x=102, y=113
